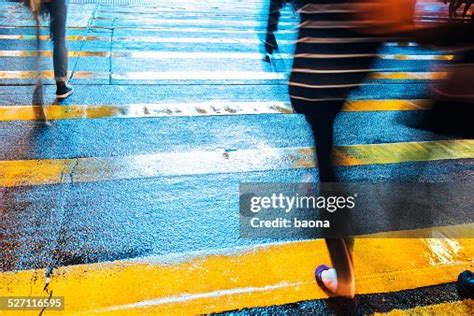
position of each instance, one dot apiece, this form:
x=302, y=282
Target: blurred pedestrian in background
x=57, y=11
x=275, y=7
x=453, y=99
x=272, y=26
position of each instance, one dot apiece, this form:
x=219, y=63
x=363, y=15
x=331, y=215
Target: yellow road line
x=92, y=169
x=46, y=37
x=49, y=74
x=407, y=152
x=262, y=275
x=221, y=107
x=409, y=75
x=47, y=53
x=207, y=75
x=465, y=307
x=386, y=105
x=197, y=55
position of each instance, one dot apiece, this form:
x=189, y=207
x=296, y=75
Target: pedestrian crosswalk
x=209, y=108
x=235, y=279
x=94, y=169
x=128, y=202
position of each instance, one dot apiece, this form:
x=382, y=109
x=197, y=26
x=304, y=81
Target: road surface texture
x=128, y=203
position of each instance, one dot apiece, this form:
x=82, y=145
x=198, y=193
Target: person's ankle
x=346, y=288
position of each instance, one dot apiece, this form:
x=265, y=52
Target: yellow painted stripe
x=406, y=152
x=386, y=105
x=417, y=57
x=222, y=107
x=197, y=55
x=92, y=169
x=213, y=107
x=264, y=275
x=49, y=74
x=208, y=75
x=30, y=53
x=46, y=37
x=465, y=307
x=409, y=75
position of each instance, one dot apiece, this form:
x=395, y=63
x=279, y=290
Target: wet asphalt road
x=52, y=225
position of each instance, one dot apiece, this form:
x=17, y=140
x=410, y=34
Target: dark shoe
x=64, y=90
x=465, y=284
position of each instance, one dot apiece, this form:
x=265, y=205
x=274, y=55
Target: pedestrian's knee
x=58, y=41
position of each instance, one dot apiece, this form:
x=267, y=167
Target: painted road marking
x=156, y=39
x=196, y=20
x=149, y=39
x=202, y=55
x=465, y=307
x=262, y=275
x=209, y=108
x=162, y=29
x=49, y=74
x=47, y=38
x=205, y=75
x=93, y=169
x=409, y=75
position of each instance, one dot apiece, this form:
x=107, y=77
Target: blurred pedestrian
x=58, y=14
x=453, y=98
x=57, y=11
x=273, y=17
x=333, y=56
x=331, y=59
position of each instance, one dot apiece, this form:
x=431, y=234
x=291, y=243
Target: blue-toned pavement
x=51, y=225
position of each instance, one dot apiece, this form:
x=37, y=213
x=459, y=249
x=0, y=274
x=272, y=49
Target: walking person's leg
x=58, y=16
x=321, y=116
x=272, y=26
x=338, y=279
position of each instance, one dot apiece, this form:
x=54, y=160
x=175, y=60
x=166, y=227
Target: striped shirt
x=331, y=58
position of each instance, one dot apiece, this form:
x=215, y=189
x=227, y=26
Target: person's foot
x=326, y=278
x=63, y=90
x=465, y=284
x=267, y=58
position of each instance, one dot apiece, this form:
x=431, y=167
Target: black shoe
x=64, y=90
x=465, y=284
